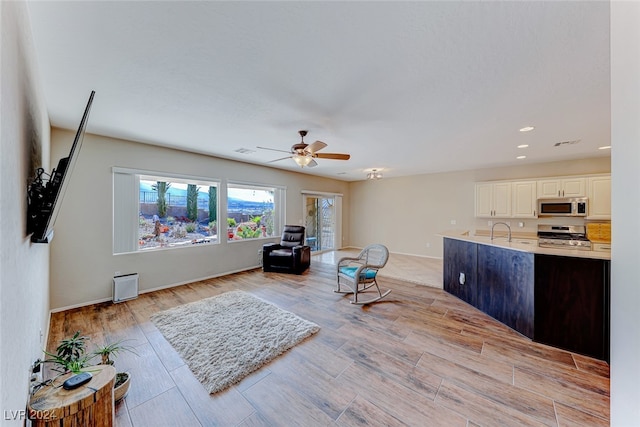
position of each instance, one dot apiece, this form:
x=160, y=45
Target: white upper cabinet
x=525, y=199
x=562, y=187
x=519, y=199
x=484, y=201
x=502, y=199
x=493, y=200
x=599, y=189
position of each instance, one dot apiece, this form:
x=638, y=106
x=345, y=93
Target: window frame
x=279, y=206
x=122, y=223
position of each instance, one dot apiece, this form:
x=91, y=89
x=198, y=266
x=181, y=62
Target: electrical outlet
x=35, y=376
x=521, y=224
x=36, y=367
x=428, y=244
x=490, y=223
x=453, y=222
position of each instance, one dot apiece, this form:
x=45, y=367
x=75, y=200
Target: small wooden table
x=90, y=404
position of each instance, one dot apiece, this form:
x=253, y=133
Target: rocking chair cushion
x=364, y=274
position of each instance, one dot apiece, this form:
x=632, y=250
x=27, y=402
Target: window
x=153, y=211
x=252, y=211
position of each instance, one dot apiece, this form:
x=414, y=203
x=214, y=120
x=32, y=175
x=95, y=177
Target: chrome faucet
x=503, y=223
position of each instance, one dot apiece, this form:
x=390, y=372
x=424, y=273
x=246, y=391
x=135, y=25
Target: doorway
x=322, y=221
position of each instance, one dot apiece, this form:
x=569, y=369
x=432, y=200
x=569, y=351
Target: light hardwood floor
x=420, y=357
x=409, y=268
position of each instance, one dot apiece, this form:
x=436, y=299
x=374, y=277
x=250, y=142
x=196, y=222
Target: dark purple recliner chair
x=291, y=255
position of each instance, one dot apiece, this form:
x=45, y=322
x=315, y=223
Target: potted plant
x=123, y=379
x=71, y=356
x=231, y=225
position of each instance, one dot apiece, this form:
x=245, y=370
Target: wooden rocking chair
x=359, y=273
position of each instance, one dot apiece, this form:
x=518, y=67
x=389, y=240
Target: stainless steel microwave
x=566, y=206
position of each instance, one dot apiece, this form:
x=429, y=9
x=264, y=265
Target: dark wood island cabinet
x=572, y=304
x=460, y=270
x=556, y=300
x=505, y=287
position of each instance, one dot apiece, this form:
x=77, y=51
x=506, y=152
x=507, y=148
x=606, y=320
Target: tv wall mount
x=45, y=192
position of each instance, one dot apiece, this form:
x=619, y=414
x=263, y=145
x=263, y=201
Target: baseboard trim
x=144, y=291
x=397, y=253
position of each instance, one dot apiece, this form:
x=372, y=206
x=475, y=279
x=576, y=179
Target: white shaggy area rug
x=224, y=338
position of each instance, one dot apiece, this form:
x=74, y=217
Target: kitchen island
x=558, y=297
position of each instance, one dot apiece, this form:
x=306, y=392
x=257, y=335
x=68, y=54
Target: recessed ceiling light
x=527, y=129
x=523, y=145
x=521, y=157
x=605, y=147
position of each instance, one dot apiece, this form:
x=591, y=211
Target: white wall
x=407, y=213
x=625, y=199
x=24, y=267
x=82, y=263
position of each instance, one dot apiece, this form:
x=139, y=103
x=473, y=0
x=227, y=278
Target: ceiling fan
x=304, y=154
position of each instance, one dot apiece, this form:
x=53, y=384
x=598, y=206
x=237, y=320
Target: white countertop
x=524, y=245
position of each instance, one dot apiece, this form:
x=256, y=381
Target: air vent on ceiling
x=244, y=151
x=558, y=144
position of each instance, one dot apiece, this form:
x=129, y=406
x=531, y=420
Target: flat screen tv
x=45, y=195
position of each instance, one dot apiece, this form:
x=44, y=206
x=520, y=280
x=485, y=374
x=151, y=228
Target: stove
x=563, y=236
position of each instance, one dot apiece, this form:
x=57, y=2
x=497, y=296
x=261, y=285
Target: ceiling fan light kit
x=304, y=154
x=302, y=161
x=374, y=174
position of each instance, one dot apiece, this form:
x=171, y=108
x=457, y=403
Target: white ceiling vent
x=575, y=141
x=245, y=151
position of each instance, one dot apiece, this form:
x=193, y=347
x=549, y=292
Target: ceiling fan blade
x=314, y=147
x=277, y=160
x=334, y=156
x=273, y=149
x=312, y=164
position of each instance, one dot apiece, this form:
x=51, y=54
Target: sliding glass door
x=322, y=221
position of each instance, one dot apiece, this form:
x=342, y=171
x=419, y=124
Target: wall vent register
x=125, y=287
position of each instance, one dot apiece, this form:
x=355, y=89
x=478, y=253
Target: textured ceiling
x=407, y=87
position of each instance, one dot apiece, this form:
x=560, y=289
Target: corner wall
x=82, y=260
x=625, y=224
x=24, y=267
